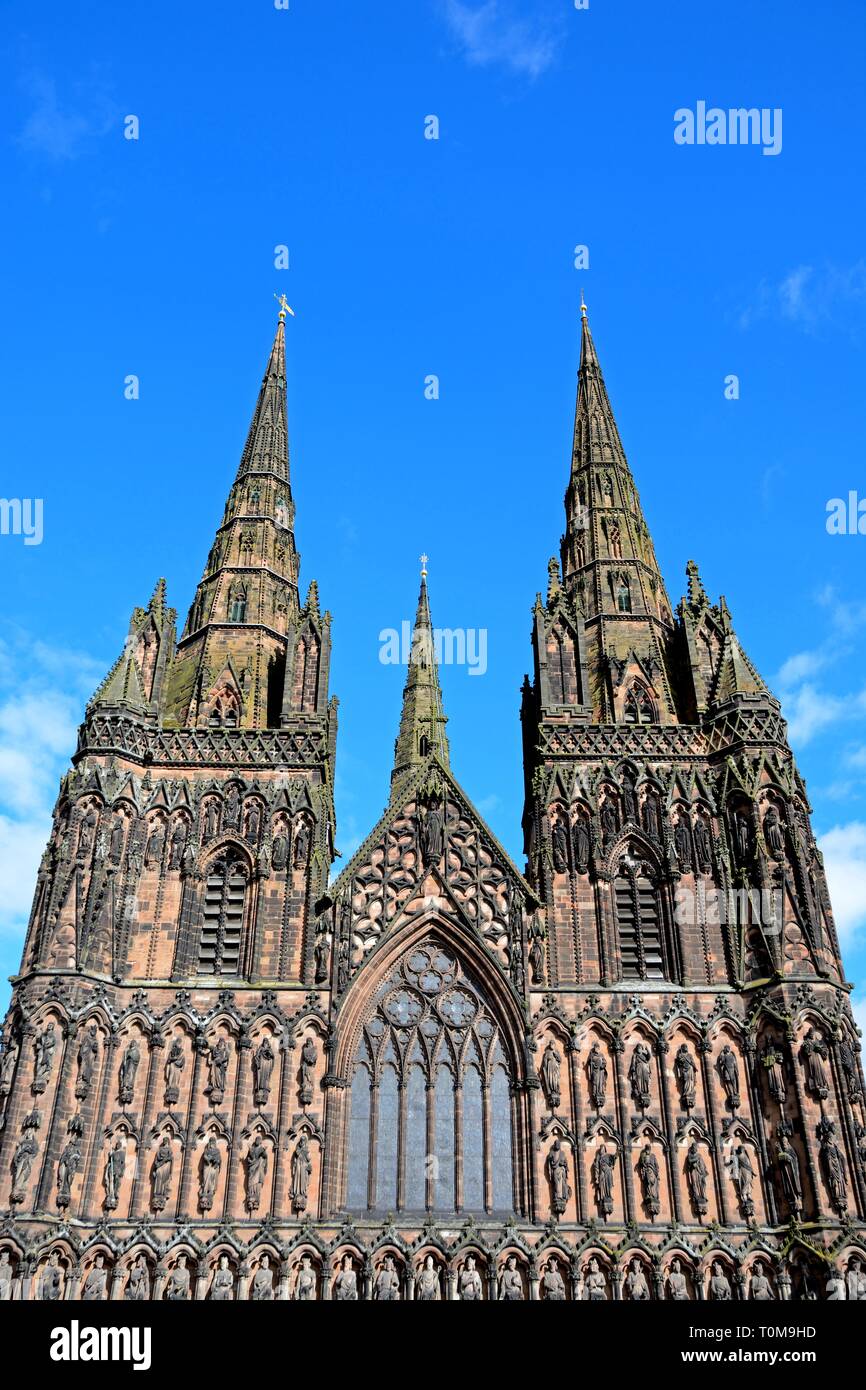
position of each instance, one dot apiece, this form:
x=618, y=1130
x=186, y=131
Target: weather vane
x=285, y=307
x=423, y=559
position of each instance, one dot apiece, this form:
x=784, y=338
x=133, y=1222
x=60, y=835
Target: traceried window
x=638, y=708
x=641, y=940
x=219, y=947
x=430, y=1126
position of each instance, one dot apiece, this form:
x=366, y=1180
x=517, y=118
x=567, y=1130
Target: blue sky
x=411, y=257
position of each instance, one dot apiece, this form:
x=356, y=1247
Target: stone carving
x=222, y=1288
x=774, y=1061
x=760, y=1288
x=557, y=1174
x=178, y=845
x=596, y=1069
x=774, y=837
x=789, y=1172
x=22, y=1166
x=609, y=821
x=703, y=845
x=850, y=1070
x=174, y=1065
x=212, y=821
x=428, y=1287
x=68, y=1165
x=743, y=1177
x=855, y=1280
x=678, y=1288
x=720, y=1285
x=648, y=1172
x=683, y=844
x=302, y=1169
x=305, y=1286
x=217, y=1067
x=729, y=1075
x=834, y=1290
x=469, y=1286
x=44, y=1047
x=559, y=839
x=431, y=834
x=257, y=1168
x=551, y=1064
x=651, y=820
x=88, y=1052
x=581, y=843
x=262, y=1288
x=6, y=1273
x=95, y=1285
x=112, y=1174
x=263, y=1066
x=602, y=1179
x=594, y=1282
x=696, y=1177
x=640, y=1076
x=536, y=952
x=8, y=1062
x=280, y=854
x=346, y=1283
x=160, y=1174
x=209, y=1171
x=253, y=824
x=127, y=1072
x=685, y=1074
x=322, y=955
x=309, y=1058
x=742, y=836
x=302, y=845
x=636, y=1286
x=137, y=1288
x=814, y=1052
x=552, y=1282
x=511, y=1282
x=53, y=1279
x=833, y=1165
x=386, y=1285
x=178, y=1285
x=232, y=807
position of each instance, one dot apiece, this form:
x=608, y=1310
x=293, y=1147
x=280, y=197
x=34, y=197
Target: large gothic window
x=430, y=1127
x=639, y=922
x=219, y=946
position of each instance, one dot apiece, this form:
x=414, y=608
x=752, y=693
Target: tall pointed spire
x=267, y=446
x=423, y=720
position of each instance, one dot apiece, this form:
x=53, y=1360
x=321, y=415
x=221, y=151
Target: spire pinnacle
x=285, y=307
x=423, y=720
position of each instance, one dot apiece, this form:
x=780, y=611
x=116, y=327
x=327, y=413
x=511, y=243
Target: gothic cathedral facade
x=628, y=1072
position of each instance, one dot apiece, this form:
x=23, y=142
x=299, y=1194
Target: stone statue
x=559, y=837
x=305, y=1286
x=138, y=1284
x=703, y=846
x=217, y=1067
x=651, y=822
x=44, y=1046
x=850, y=1070
x=174, y=1065
x=85, y=839
x=629, y=800
x=720, y=1286
x=68, y=1164
x=428, y=1285
x=112, y=1176
x=155, y=846
x=743, y=1177
x=115, y=849
x=95, y=1284
x=222, y=1288
x=551, y=1064
x=177, y=1287
x=262, y=1289
x=209, y=1171
x=552, y=1282
x=510, y=1282
x=253, y=823
x=774, y=1061
x=696, y=1177
x=309, y=1057
x=346, y=1283
x=212, y=821
x=127, y=1071
x=760, y=1288
x=430, y=835
x=88, y=1051
x=469, y=1285
x=322, y=954
x=678, y=1288
x=856, y=1280
x=596, y=1067
x=636, y=1285
x=52, y=1280
x=257, y=1167
x=5, y=1277
x=602, y=1179
x=386, y=1286
x=22, y=1166
x=536, y=954
x=302, y=845
x=833, y=1167
x=835, y=1291
x=233, y=806
x=557, y=1174
x=789, y=1171
x=685, y=1073
x=742, y=835
x=683, y=844
x=178, y=845
x=729, y=1076
x=280, y=856
x=302, y=1169
x=640, y=1075
x=160, y=1174
x=263, y=1066
x=7, y=1065
x=609, y=821
x=594, y=1283
x=774, y=836
x=581, y=842
x=814, y=1054
x=648, y=1172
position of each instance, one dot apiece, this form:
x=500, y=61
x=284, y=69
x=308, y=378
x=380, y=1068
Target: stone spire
x=267, y=446
x=422, y=721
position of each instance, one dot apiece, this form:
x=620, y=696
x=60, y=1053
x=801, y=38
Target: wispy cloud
x=60, y=128
x=808, y=296
x=495, y=34
x=810, y=707
x=844, y=851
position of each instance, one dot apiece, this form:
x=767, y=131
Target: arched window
x=639, y=922
x=623, y=596
x=238, y=606
x=430, y=1126
x=638, y=707
x=219, y=947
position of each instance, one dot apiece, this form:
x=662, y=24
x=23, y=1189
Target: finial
x=285, y=307
x=423, y=559
x=582, y=306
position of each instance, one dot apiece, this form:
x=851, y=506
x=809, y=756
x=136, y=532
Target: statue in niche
x=581, y=841
x=536, y=953
x=95, y=1284
x=232, y=806
x=742, y=835
x=428, y=1284
x=302, y=1170
x=559, y=838
x=112, y=1175
x=678, y=1288
x=848, y=1063
x=155, y=845
x=551, y=1064
x=22, y=1166
x=254, y=821
x=834, y=1289
x=309, y=1058
x=552, y=1282
x=160, y=1174
x=814, y=1053
x=696, y=1177
x=222, y=1287
x=280, y=856
x=85, y=839
x=629, y=800
x=217, y=1067
x=302, y=845
x=469, y=1286
x=257, y=1168
x=209, y=1171
x=636, y=1285
x=6, y=1273
x=774, y=836
x=510, y=1282
x=640, y=1076
x=743, y=1178
x=68, y=1165
x=596, y=1067
x=115, y=846
x=648, y=1172
x=609, y=821
x=683, y=844
x=8, y=1063
x=602, y=1180
x=788, y=1165
x=515, y=963
x=833, y=1166
x=557, y=1174
x=44, y=1046
x=262, y=1290
x=720, y=1285
x=651, y=822
x=174, y=1065
x=760, y=1288
x=774, y=1061
x=305, y=1286
x=855, y=1280
x=263, y=1066
x=594, y=1283
x=177, y=1287
x=346, y=1282
x=703, y=847
x=729, y=1076
x=322, y=955
x=127, y=1071
x=138, y=1284
x=430, y=834
x=178, y=845
x=386, y=1286
x=212, y=821
x=685, y=1075
x=52, y=1280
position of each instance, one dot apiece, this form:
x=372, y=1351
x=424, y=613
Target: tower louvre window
x=219, y=950
x=641, y=945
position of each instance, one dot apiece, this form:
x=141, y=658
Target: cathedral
x=627, y=1070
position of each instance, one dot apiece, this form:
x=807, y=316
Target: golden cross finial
x=423, y=559
x=582, y=306
x=285, y=307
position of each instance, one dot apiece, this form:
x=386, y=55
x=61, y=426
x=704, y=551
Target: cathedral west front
x=625, y=1071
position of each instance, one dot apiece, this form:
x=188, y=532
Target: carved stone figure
x=254, y=821
x=469, y=1285
x=596, y=1068
x=7, y=1065
x=178, y=1284
x=814, y=1054
x=559, y=838
x=178, y=845
x=115, y=847
x=428, y=1285
x=160, y=1174
x=85, y=839
x=138, y=1284
x=430, y=835
x=217, y=1067
x=302, y=845
x=112, y=1175
x=536, y=953
x=729, y=1075
x=640, y=1076
x=557, y=1174
x=305, y=1287
x=280, y=856
x=683, y=844
x=636, y=1286
x=581, y=841
x=127, y=1071
x=346, y=1283
x=648, y=1172
x=835, y=1291
x=594, y=1283
x=602, y=1179
x=209, y=1171
x=222, y=1288
x=232, y=806
x=552, y=1282
x=44, y=1046
x=678, y=1288
x=212, y=821
x=95, y=1284
x=68, y=1164
x=743, y=1177
x=774, y=1061
x=651, y=822
x=22, y=1166
x=742, y=836
x=696, y=1177
x=6, y=1273
x=703, y=845
x=609, y=821
x=551, y=1064
x=257, y=1168
x=155, y=846
x=263, y=1066
x=52, y=1280
x=309, y=1058
x=174, y=1065
x=720, y=1286
x=510, y=1282
x=386, y=1286
x=629, y=800
x=302, y=1169
x=833, y=1168
x=262, y=1288
x=774, y=836
x=88, y=1051
x=685, y=1073
x=855, y=1280
x=789, y=1171
x=850, y=1071
x=760, y=1288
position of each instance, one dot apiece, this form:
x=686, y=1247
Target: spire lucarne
x=423, y=720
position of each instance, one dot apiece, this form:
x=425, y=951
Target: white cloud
x=58, y=128
x=808, y=706
x=491, y=35
x=844, y=851
x=808, y=296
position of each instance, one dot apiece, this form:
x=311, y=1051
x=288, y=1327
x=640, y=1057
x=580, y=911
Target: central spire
x=423, y=720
